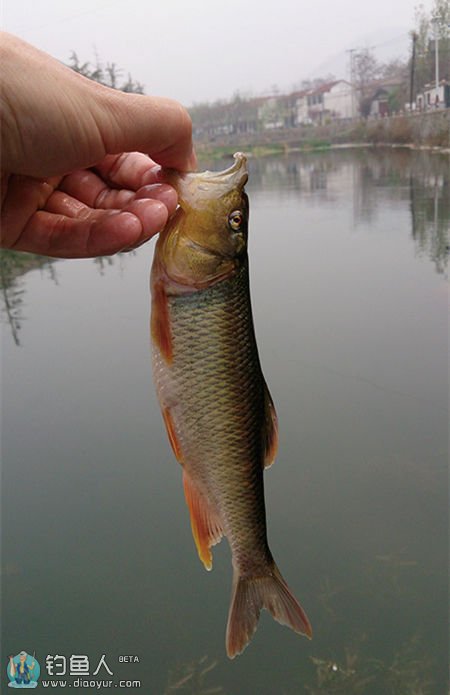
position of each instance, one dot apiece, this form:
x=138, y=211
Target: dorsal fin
x=205, y=523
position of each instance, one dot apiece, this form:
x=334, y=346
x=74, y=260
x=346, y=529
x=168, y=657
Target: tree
x=108, y=76
x=365, y=70
x=426, y=25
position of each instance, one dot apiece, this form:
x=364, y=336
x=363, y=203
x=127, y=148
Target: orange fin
x=206, y=527
x=270, y=431
x=160, y=322
x=171, y=433
x=249, y=596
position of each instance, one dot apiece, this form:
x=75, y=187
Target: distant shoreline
x=267, y=150
x=428, y=131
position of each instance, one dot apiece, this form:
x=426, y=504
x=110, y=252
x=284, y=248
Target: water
x=348, y=259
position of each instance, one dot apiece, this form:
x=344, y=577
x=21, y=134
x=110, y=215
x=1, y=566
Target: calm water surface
x=348, y=257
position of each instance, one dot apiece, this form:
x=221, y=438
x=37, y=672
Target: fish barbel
x=217, y=409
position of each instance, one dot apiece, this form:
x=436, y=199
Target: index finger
x=129, y=170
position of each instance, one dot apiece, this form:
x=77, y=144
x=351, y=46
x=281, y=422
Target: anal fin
x=172, y=435
x=270, y=431
x=205, y=524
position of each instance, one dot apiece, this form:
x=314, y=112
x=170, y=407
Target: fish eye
x=235, y=220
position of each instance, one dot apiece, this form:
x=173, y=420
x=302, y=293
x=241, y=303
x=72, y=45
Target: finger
x=128, y=169
x=60, y=203
x=156, y=126
x=23, y=197
x=162, y=192
x=101, y=233
x=90, y=189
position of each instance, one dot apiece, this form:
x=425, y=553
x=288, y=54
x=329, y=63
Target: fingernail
x=153, y=215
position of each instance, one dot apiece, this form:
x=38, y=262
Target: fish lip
x=234, y=175
x=194, y=187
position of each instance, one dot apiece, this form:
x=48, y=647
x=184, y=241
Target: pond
x=348, y=260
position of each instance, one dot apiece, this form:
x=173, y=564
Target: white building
x=432, y=98
x=333, y=100
x=340, y=100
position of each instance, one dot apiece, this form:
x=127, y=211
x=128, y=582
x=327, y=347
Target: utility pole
x=352, y=82
x=413, y=69
x=436, y=54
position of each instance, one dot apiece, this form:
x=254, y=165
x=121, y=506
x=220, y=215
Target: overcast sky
x=197, y=50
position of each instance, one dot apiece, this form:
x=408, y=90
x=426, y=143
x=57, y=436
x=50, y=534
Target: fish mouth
x=195, y=187
x=235, y=176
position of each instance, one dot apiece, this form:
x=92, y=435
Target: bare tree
x=366, y=70
x=109, y=76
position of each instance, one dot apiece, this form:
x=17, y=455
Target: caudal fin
x=249, y=596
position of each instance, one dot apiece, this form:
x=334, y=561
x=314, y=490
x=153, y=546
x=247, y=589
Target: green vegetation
x=211, y=151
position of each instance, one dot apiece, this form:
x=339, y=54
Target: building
x=330, y=101
x=379, y=105
x=432, y=98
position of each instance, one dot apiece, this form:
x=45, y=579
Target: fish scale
x=218, y=396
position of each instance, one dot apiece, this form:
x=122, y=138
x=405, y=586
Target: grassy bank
x=431, y=129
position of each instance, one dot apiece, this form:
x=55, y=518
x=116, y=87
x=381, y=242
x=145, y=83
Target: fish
x=217, y=409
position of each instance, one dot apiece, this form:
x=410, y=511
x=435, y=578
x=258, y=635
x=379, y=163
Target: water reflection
x=13, y=266
x=351, y=324
x=370, y=178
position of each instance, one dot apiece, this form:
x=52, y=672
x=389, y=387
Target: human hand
x=77, y=178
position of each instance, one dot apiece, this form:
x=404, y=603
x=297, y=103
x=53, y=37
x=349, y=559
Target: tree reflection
x=13, y=266
x=370, y=178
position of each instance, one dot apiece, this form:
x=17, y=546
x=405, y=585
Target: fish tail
x=249, y=596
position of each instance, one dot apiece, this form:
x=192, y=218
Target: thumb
x=56, y=121
x=157, y=126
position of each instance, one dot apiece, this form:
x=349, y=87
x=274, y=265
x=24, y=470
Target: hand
x=77, y=178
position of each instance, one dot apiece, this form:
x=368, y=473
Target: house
x=379, y=105
x=432, y=98
x=340, y=100
x=381, y=97
x=332, y=100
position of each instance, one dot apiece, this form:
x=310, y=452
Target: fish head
x=206, y=240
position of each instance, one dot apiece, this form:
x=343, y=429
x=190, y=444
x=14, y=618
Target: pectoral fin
x=160, y=323
x=205, y=524
x=270, y=431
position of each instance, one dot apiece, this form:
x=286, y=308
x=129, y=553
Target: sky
x=203, y=50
